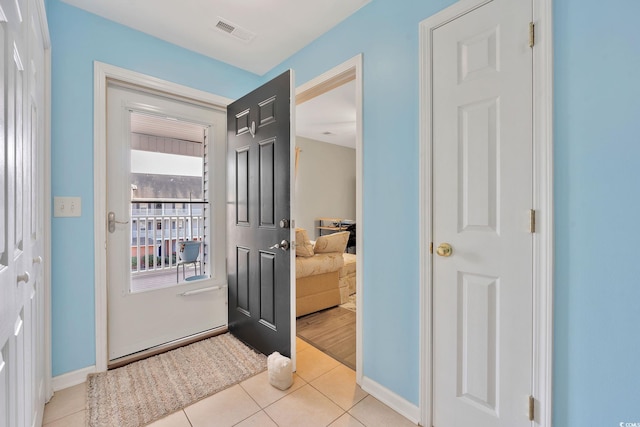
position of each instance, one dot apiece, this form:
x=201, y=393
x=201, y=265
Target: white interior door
x=482, y=194
x=22, y=109
x=153, y=298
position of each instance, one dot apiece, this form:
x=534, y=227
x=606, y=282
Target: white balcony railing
x=156, y=234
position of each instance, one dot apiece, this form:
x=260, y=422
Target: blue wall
x=597, y=198
x=597, y=177
x=78, y=38
x=597, y=205
x=388, y=38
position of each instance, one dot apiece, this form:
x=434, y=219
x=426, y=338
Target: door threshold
x=163, y=348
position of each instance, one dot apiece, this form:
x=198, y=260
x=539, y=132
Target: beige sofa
x=323, y=280
x=347, y=281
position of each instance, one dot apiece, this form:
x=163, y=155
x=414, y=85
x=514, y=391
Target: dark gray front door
x=258, y=199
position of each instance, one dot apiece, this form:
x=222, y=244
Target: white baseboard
x=392, y=400
x=72, y=378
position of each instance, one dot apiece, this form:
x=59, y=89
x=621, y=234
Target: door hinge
x=431, y=247
x=532, y=220
x=532, y=34
x=532, y=412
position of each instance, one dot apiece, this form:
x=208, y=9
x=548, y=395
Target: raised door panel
x=243, y=274
x=267, y=289
x=17, y=95
x=267, y=194
x=242, y=187
x=478, y=153
x=477, y=352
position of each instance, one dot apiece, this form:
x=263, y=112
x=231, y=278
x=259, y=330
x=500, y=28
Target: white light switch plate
x=67, y=206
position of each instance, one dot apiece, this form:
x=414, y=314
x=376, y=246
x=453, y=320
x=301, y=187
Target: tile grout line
x=333, y=369
x=269, y=416
x=62, y=417
x=187, y=417
x=310, y=383
x=260, y=408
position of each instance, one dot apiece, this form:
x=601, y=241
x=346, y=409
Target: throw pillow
x=304, y=248
x=336, y=242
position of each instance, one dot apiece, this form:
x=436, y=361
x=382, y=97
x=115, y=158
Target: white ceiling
x=280, y=27
x=330, y=117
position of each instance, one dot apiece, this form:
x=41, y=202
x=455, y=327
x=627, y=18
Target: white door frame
x=323, y=83
x=542, y=203
x=103, y=72
x=46, y=201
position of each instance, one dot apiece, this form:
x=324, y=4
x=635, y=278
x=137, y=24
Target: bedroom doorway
x=328, y=186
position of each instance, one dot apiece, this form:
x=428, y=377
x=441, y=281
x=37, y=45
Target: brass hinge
x=532, y=413
x=431, y=247
x=532, y=220
x=532, y=34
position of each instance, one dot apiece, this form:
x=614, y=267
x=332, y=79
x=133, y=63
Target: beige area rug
x=147, y=390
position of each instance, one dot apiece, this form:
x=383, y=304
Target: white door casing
x=308, y=90
x=480, y=57
x=102, y=73
x=138, y=321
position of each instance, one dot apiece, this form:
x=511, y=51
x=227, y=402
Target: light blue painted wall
x=597, y=199
x=79, y=38
x=388, y=37
x=597, y=178
x=597, y=202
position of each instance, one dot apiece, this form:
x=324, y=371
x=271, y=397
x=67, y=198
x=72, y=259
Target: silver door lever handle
x=111, y=219
x=284, y=245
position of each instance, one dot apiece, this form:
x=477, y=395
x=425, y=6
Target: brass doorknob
x=444, y=249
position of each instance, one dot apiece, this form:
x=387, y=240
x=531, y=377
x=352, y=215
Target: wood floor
x=332, y=331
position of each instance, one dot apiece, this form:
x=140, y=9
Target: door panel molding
x=102, y=73
x=542, y=203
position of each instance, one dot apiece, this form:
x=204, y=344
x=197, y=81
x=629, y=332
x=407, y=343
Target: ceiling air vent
x=234, y=30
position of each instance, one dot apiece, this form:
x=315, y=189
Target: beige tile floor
x=324, y=393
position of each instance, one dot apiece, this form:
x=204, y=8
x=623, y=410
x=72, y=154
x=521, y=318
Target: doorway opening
x=328, y=185
x=190, y=106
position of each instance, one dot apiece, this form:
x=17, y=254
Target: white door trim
x=542, y=200
x=102, y=72
x=315, y=85
x=46, y=211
